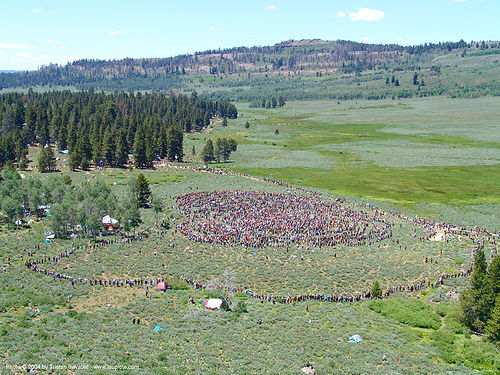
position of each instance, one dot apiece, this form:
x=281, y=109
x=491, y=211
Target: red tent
x=162, y=286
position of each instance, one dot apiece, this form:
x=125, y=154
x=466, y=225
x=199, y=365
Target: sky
x=36, y=33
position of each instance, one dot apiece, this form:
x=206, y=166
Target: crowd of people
x=258, y=219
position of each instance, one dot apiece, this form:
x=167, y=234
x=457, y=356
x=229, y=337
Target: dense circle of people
x=258, y=219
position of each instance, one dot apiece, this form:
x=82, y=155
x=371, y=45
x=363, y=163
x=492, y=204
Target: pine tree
x=108, y=147
x=474, y=301
x=150, y=151
x=193, y=151
x=75, y=159
x=50, y=158
x=23, y=163
x=207, y=153
x=85, y=163
x=143, y=191
x=376, y=291
x=218, y=151
x=42, y=160
x=140, y=149
x=174, y=143
x=233, y=145
x=121, y=152
x=493, y=324
x=494, y=278
x=225, y=149
x=62, y=143
x=157, y=207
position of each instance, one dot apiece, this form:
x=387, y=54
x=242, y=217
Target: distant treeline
x=103, y=129
x=288, y=57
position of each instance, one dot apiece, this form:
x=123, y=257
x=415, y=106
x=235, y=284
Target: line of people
x=34, y=265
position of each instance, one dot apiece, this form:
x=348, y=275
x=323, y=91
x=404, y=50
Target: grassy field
x=439, y=153
x=435, y=158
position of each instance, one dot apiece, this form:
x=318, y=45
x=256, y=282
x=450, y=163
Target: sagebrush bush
x=413, y=312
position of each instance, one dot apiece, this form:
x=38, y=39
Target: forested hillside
x=307, y=69
x=103, y=129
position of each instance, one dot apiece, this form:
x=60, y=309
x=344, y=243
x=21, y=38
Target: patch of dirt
x=106, y=297
x=440, y=236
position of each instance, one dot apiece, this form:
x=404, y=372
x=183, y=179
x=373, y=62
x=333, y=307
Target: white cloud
x=211, y=28
x=270, y=7
x=45, y=57
x=52, y=41
x=36, y=11
x=2, y=53
x=364, y=39
x=367, y=14
x=340, y=14
x=26, y=55
x=14, y=46
x=113, y=33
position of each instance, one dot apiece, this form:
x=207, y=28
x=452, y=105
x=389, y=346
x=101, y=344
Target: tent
x=355, y=339
x=158, y=328
x=108, y=220
x=50, y=236
x=162, y=286
x=213, y=304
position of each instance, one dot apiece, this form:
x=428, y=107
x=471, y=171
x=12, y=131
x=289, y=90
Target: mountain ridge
x=229, y=72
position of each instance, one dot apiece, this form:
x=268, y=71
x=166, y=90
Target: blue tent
x=355, y=339
x=158, y=328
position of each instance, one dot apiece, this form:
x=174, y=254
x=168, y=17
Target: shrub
x=177, y=284
x=444, y=340
x=409, y=311
x=240, y=308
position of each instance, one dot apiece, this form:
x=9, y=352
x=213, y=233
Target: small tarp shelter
x=213, y=304
x=108, y=220
x=355, y=339
x=158, y=328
